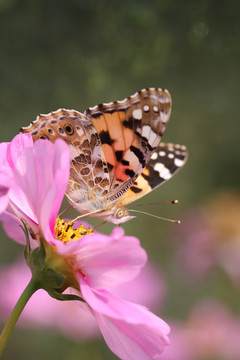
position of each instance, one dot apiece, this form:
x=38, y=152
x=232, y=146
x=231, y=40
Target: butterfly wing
x=111, y=146
x=89, y=175
x=130, y=131
x=164, y=163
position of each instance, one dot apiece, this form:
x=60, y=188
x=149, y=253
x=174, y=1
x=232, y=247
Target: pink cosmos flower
x=210, y=332
x=98, y=262
x=76, y=320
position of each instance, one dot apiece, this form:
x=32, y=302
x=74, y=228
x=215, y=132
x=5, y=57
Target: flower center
x=65, y=232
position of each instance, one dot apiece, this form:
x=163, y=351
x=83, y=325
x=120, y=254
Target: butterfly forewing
x=130, y=131
x=164, y=163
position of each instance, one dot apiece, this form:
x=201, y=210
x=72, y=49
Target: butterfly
x=116, y=154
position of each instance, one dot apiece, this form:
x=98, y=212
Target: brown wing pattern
x=164, y=163
x=89, y=174
x=130, y=131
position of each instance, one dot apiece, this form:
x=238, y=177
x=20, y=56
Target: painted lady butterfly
x=116, y=157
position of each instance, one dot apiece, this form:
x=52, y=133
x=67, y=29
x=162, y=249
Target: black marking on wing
x=138, y=154
x=105, y=138
x=135, y=189
x=119, y=155
x=132, y=123
x=129, y=172
x=165, y=162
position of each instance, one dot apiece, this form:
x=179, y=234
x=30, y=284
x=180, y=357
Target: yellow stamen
x=64, y=231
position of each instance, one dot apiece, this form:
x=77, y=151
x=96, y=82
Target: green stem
x=8, y=328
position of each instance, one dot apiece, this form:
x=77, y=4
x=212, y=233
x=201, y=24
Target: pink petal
x=11, y=225
x=108, y=261
x=42, y=175
x=104, y=302
x=3, y=153
x=54, y=189
x=19, y=142
x=130, y=342
x=130, y=331
x=17, y=197
x=6, y=177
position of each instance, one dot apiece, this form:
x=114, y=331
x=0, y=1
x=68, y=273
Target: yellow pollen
x=64, y=231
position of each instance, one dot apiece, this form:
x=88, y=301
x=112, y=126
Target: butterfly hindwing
x=88, y=170
x=129, y=131
x=164, y=163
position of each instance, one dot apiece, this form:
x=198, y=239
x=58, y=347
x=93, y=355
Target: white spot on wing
x=152, y=138
x=155, y=109
x=154, y=156
x=122, y=101
x=162, y=153
x=178, y=162
x=146, y=108
x=146, y=131
x=170, y=156
x=165, y=174
x=137, y=114
x=27, y=127
x=93, y=108
x=159, y=167
x=164, y=116
x=79, y=131
x=163, y=171
x=134, y=95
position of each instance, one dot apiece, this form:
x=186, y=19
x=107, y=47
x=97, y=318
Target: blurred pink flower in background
x=210, y=332
x=76, y=321
x=209, y=236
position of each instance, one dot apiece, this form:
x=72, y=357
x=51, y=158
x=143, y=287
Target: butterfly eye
x=69, y=129
x=120, y=213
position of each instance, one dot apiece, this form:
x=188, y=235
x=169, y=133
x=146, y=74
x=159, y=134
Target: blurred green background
x=76, y=54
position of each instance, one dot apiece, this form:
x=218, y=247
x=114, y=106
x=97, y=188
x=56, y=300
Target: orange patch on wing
x=115, y=131
x=120, y=173
x=100, y=123
x=109, y=154
x=127, y=133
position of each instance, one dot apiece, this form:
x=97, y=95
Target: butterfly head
x=120, y=215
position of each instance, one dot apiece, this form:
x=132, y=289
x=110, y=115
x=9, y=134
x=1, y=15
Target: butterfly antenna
x=102, y=223
x=156, y=203
x=67, y=208
x=157, y=217
x=83, y=215
x=87, y=214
